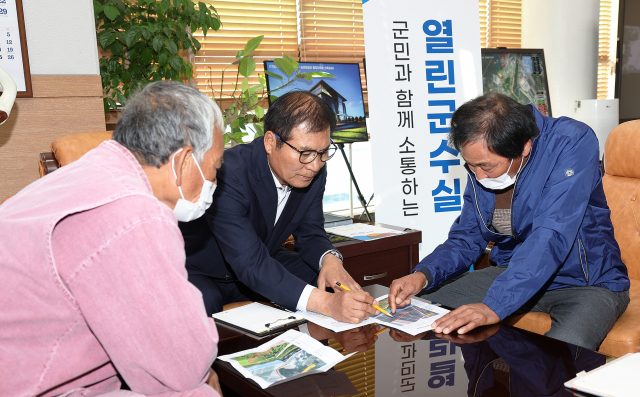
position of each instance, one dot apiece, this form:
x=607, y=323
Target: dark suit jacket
x=236, y=238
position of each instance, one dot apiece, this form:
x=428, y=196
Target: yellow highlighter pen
x=375, y=306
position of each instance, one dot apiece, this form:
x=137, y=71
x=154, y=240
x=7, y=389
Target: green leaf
x=245, y=84
x=112, y=104
x=167, y=31
x=129, y=37
x=284, y=65
x=252, y=45
x=253, y=100
x=171, y=46
x=275, y=75
x=97, y=8
x=189, y=10
x=147, y=55
x=261, y=79
x=259, y=126
x=253, y=89
x=247, y=67
x=146, y=33
x=307, y=76
x=239, y=53
x=214, y=23
x=272, y=98
x=106, y=39
x=158, y=41
x=235, y=124
x=166, y=4
x=121, y=98
x=196, y=44
x=111, y=12
x=163, y=58
x=294, y=63
x=259, y=112
x=175, y=62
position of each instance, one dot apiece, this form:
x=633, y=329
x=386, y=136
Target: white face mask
x=185, y=210
x=501, y=182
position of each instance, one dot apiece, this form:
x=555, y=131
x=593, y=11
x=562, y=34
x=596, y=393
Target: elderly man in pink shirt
x=92, y=263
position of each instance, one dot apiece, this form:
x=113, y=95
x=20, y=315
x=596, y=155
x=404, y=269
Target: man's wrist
x=335, y=253
x=425, y=271
x=303, y=301
x=317, y=302
x=423, y=278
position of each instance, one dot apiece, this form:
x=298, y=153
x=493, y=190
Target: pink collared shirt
x=93, y=283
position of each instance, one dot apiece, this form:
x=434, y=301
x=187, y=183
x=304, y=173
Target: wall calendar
x=14, y=58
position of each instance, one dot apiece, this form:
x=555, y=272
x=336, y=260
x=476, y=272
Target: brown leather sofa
x=621, y=183
x=68, y=148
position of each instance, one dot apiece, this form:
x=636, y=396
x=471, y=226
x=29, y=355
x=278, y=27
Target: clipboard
x=259, y=319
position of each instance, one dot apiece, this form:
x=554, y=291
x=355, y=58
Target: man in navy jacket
x=535, y=189
x=268, y=190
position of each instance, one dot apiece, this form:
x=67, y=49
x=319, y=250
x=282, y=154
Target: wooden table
x=499, y=361
x=382, y=260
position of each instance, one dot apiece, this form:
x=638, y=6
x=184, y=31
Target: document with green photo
x=287, y=357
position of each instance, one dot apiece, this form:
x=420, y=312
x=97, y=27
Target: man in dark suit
x=268, y=190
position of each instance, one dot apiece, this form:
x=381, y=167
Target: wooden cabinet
x=383, y=260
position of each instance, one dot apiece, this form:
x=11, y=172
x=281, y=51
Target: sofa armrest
x=47, y=163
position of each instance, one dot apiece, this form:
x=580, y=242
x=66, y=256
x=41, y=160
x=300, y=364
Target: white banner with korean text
x=422, y=62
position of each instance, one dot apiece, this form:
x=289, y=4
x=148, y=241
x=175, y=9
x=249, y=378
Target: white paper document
x=287, y=357
x=363, y=231
x=619, y=378
x=413, y=319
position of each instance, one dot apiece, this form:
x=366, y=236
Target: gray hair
x=165, y=116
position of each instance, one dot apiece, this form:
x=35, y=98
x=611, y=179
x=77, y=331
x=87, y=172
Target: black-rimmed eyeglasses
x=307, y=156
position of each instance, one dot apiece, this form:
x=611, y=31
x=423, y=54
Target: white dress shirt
x=283, y=196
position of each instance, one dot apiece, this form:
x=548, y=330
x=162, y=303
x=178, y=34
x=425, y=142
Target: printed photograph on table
x=343, y=93
x=289, y=356
x=403, y=316
x=413, y=319
x=281, y=361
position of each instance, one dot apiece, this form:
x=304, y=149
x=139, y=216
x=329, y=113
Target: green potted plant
x=145, y=40
x=245, y=109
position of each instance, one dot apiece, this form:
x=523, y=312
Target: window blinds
x=241, y=21
x=606, y=64
x=504, y=23
x=332, y=31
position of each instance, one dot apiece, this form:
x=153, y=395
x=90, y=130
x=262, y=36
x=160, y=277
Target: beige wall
x=67, y=92
x=60, y=105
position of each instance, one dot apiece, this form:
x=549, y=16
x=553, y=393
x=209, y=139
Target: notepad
x=618, y=378
x=259, y=319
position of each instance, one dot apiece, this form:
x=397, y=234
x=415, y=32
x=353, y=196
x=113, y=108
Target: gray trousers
x=582, y=316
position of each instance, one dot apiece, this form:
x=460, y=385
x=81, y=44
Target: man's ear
x=181, y=162
x=527, y=148
x=270, y=142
